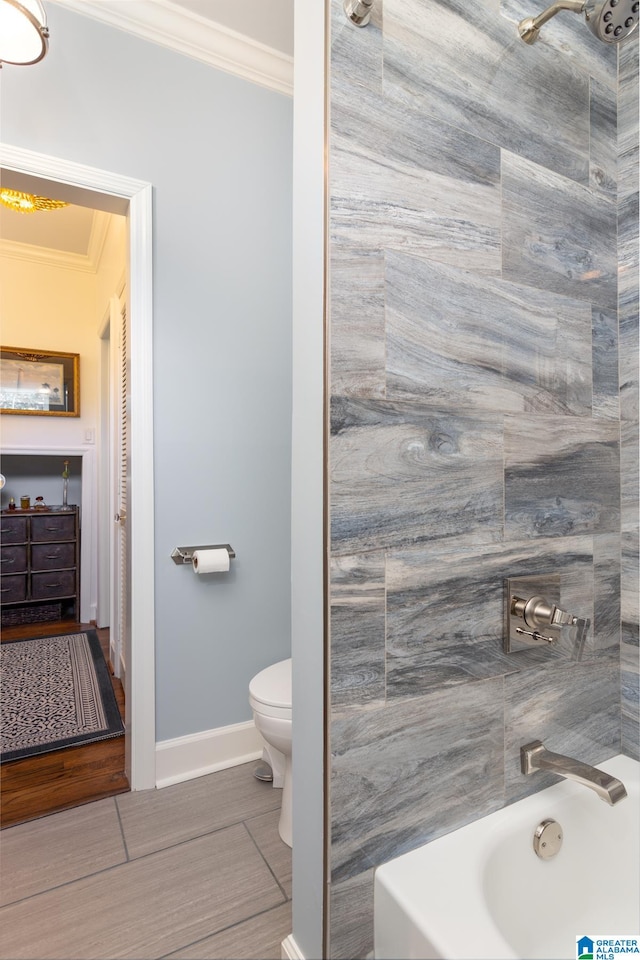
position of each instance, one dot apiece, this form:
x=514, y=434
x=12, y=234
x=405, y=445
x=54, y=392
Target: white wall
x=217, y=150
x=49, y=308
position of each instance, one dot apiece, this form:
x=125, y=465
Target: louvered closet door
x=119, y=447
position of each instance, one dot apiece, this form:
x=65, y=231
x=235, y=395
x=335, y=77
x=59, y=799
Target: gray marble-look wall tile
x=357, y=629
x=455, y=62
x=568, y=36
x=628, y=287
x=630, y=537
x=407, y=772
x=356, y=53
x=628, y=105
x=562, y=477
x=628, y=217
x=630, y=738
x=606, y=403
x=404, y=473
x=630, y=680
x=461, y=341
x=558, y=235
x=401, y=180
x=351, y=911
x=629, y=388
x=606, y=599
x=628, y=245
x=357, y=324
x=445, y=610
x=629, y=475
x=630, y=560
x=406, y=181
x=573, y=709
x=603, y=139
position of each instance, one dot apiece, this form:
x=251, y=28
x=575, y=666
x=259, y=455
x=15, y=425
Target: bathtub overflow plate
x=547, y=839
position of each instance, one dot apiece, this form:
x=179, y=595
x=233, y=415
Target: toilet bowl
x=270, y=700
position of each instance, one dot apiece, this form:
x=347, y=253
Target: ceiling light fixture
x=24, y=35
x=28, y=202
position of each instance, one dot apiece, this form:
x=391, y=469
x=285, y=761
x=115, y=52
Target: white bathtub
x=482, y=892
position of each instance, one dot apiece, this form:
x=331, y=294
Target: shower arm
x=529, y=28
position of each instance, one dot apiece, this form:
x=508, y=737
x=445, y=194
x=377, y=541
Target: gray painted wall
x=475, y=416
x=217, y=150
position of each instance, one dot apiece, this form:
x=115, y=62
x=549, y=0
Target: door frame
x=140, y=706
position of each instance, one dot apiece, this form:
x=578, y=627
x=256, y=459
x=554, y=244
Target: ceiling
x=70, y=229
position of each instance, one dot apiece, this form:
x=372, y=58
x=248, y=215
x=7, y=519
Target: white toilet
x=270, y=700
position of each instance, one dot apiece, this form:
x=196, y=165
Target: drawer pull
x=5, y=590
x=8, y=560
x=58, y=584
x=52, y=556
x=54, y=528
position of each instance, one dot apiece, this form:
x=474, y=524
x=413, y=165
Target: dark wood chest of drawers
x=40, y=561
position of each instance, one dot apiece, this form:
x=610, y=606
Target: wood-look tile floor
x=196, y=870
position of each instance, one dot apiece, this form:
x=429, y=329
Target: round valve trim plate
x=547, y=839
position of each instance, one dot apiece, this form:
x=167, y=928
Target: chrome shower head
x=612, y=20
x=609, y=20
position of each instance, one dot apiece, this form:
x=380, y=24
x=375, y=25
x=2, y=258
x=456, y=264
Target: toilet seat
x=270, y=691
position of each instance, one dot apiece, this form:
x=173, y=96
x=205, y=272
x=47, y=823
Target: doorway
x=102, y=190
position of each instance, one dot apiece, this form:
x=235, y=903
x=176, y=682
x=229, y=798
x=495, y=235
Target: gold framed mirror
x=39, y=383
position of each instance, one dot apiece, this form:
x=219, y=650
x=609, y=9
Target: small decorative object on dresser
x=40, y=565
x=65, y=486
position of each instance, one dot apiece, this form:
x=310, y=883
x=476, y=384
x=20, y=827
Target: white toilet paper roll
x=211, y=561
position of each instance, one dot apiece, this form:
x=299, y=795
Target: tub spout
x=535, y=756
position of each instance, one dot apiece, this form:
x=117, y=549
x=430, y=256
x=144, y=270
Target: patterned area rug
x=56, y=692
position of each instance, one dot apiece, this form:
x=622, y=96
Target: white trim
x=308, y=549
x=200, y=753
x=141, y=520
x=140, y=738
x=162, y=22
x=290, y=949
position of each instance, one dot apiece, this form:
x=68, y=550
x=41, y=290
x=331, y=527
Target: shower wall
x=628, y=219
x=476, y=416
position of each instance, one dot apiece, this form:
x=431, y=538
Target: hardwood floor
x=55, y=781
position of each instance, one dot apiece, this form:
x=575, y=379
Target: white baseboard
x=290, y=949
x=198, y=754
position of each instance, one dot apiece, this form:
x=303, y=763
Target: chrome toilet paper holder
x=182, y=555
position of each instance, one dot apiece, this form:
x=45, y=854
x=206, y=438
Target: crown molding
x=162, y=22
x=63, y=259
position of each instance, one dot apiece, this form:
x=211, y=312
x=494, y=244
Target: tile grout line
x=132, y=860
x=255, y=843
x=121, y=825
x=238, y=923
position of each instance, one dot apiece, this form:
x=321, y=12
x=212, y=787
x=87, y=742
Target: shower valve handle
x=533, y=615
x=538, y=612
